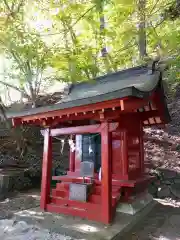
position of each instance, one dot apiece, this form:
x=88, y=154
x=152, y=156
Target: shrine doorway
x=91, y=150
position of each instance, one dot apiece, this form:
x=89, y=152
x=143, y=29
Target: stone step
x=65, y=202
x=62, y=185
x=83, y=213
x=60, y=193
x=93, y=198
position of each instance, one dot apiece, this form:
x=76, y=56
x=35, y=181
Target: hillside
x=162, y=152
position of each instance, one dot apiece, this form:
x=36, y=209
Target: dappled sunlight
x=30, y=214
x=166, y=202
x=5, y=201
x=36, y=214
x=58, y=217
x=85, y=228
x=164, y=238
x=38, y=197
x=162, y=223
x=20, y=230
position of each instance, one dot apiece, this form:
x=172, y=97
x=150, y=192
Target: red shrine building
x=104, y=119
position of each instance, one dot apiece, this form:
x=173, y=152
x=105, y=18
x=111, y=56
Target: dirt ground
x=162, y=223
x=12, y=228
x=19, y=201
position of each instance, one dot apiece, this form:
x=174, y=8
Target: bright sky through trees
x=45, y=41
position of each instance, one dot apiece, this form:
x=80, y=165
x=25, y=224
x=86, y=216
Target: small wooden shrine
x=105, y=120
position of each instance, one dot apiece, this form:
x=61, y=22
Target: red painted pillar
x=46, y=170
x=72, y=157
x=124, y=149
x=106, y=170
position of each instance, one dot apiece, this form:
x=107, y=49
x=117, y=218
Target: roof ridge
x=127, y=70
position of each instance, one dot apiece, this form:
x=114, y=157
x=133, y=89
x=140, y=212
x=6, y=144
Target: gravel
x=19, y=202
x=162, y=223
x=13, y=230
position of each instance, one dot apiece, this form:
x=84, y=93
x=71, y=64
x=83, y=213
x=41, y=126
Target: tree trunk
x=104, y=52
x=102, y=27
x=142, y=44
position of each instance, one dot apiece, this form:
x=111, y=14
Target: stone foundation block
x=137, y=204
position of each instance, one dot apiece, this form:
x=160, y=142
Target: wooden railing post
x=46, y=170
x=106, y=170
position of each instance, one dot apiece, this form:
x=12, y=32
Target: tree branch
x=14, y=87
x=152, y=9
x=57, y=33
x=162, y=7
x=158, y=24
x=91, y=8
x=7, y=5
x=18, y=60
x=38, y=83
x=159, y=40
x=12, y=10
x=19, y=6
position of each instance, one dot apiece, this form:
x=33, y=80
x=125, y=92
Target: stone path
x=162, y=223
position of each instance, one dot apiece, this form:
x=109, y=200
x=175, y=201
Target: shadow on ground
x=18, y=201
x=162, y=223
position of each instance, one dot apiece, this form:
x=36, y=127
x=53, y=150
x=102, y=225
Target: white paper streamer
x=72, y=145
x=62, y=145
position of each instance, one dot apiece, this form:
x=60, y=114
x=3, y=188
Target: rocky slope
x=163, y=153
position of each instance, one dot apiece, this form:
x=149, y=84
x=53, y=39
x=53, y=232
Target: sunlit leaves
x=66, y=35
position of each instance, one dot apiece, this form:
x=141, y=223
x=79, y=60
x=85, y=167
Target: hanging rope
x=72, y=143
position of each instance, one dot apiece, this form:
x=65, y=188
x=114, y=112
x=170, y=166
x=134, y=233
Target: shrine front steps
x=60, y=202
x=96, y=189
x=116, y=180
x=88, y=213
x=60, y=195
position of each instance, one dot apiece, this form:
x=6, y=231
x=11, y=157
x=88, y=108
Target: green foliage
x=70, y=39
x=26, y=50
